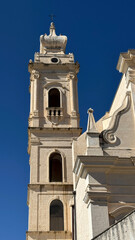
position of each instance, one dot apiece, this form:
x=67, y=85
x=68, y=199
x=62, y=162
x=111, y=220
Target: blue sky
x=97, y=32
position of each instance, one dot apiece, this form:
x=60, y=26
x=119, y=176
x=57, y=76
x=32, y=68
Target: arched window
x=55, y=167
x=56, y=216
x=54, y=98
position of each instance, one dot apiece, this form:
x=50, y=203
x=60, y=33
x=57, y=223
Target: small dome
x=52, y=42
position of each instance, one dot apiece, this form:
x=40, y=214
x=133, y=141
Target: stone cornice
x=91, y=196
x=96, y=191
x=42, y=188
x=72, y=133
x=126, y=60
x=31, y=185
x=51, y=186
x=54, y=129
x=35, y=141
x=73, y=67
x=84, y=164
x=49, y=234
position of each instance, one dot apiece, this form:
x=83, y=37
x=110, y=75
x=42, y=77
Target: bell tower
x=53, y=124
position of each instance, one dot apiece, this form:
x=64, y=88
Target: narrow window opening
x=55, y=168
x=56, y=216
x=54, y=98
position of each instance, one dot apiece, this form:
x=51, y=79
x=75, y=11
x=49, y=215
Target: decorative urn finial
x=52, y=29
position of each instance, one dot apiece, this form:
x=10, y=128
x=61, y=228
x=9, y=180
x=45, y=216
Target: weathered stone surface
x=123, y=230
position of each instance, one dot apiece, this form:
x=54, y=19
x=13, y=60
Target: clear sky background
x=97, y=32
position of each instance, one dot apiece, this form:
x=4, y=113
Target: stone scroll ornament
x=35, y=74
x=108, y=134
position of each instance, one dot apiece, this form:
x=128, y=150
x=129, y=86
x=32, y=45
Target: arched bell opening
x=54, y=98
x=56, y=216
x=55, y=167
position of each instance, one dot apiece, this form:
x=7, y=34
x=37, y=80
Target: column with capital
x=73, y=99
x=72, y=94
x=35, y=77
x=31, y=96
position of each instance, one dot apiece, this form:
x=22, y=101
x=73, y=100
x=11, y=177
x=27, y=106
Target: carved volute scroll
x=108, y=134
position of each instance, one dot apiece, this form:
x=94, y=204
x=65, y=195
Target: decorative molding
x=35, y=141
x=108, y=134
x=53, y=84
x=96, y=193
x=130, y=76
x=126, y=60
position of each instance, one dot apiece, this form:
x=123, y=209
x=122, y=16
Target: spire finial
x=52, y=29
x=91, y=126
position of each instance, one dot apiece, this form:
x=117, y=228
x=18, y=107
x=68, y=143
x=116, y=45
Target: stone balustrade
x=54, y=112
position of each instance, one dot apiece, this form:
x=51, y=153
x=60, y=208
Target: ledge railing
x=54, y=112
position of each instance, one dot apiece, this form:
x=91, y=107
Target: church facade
x=80, y=184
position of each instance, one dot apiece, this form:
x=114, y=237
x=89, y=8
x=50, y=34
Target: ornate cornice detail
x=108, y=134
x=35, y=141
x=96, y=192
x=34, y=75
x=131, y=75
x=70, y=76
x=126, y=60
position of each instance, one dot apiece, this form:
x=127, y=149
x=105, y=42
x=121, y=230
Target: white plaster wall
x=119, y=96
x=118, y=99
x=83, y=224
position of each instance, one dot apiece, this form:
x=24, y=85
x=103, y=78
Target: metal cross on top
x=52, y=17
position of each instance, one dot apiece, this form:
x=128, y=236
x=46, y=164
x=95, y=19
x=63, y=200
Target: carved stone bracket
x=70, y=76
x=108, y=134
x=34, y=75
